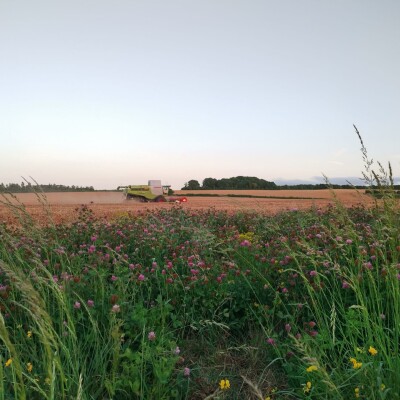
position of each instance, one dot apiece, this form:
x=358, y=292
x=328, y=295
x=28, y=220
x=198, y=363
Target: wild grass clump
x=177, y=304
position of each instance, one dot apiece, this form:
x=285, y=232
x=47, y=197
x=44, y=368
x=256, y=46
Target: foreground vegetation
x=194, y=305
x=177, y=304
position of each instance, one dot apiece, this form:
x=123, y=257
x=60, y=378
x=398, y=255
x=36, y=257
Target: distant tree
x=192, y=185
x=238, y=183
x=210, y=183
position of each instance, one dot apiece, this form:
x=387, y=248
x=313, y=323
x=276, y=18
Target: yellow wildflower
x=249, y=236
x=382, y=387
x=224, y=384
x=312, y=368
x=29, y=367
x=356, y=365
x=307, y=387
x=357, y=392
x=8, y=362
x=372, y=351
x=29, y=334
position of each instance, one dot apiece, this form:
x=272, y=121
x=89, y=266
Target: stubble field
x=63, y=206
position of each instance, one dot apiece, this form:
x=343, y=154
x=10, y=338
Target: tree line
x=253, y=183
x=51, y=187
x=238, y=182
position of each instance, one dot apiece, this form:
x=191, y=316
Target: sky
x=115, y=92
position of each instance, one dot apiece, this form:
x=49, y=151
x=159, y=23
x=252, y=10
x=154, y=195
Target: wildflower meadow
x=182, y=304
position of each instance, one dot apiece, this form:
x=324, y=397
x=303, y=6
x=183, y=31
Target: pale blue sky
x=107, y=93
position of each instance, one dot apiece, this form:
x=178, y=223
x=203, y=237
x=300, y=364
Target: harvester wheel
x=160, y=199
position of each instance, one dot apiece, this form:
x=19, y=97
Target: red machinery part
x=177, y=199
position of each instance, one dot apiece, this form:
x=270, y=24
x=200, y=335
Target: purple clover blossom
x=346, y=285
x=271, y=341
x=368, y=265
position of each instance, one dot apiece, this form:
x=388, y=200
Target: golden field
x=63, y=205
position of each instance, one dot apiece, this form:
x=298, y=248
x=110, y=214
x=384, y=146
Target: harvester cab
x=165, y=189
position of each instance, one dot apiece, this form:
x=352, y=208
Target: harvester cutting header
x=153, y=191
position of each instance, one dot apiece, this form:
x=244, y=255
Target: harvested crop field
x=63, y=206
x=344, y=195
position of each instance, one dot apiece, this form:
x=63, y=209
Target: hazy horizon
x=353, y=180
x=102, y=94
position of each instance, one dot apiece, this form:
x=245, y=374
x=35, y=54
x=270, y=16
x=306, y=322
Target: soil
x=63, y=206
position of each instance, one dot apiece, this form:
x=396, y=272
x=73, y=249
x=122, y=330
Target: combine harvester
x=154, y=192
